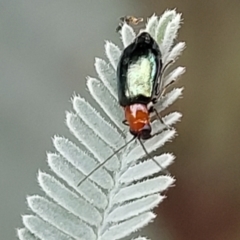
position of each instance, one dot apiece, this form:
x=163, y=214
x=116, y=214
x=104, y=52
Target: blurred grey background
x=47, y=48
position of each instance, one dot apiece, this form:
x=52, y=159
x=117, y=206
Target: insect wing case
x=138, y=71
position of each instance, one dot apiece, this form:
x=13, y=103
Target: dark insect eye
x=146, y=132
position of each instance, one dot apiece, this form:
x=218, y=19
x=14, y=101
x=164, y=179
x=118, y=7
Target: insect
x=139, y=87
x=130, y=20
x=138, y=82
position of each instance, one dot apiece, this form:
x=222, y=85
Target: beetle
x=139, y=82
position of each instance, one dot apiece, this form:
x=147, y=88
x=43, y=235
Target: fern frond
x=118, y=198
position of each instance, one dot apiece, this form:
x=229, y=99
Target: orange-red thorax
x=137, y=116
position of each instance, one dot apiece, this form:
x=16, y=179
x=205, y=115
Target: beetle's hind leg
x=160, y=90
x=157, y=115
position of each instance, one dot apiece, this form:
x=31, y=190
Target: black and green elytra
x=138, y=71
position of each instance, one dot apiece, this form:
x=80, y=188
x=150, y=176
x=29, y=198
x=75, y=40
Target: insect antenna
x=163, y=170
x=105, y=161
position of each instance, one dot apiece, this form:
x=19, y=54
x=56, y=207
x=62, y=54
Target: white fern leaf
x=134, y=208
x=71, y=176
x=142, y=189
x=175, y=52
x=125, y=228
x=146, y=168
x=23, y=233
x=128, y=34
x=82, y=162
x=151, y=25
x=163, y=22
x=169, y=99
x=69, y=224
x=170, y=34
x=107, y=75
x=119, y=197
x=91, y=117
x=173, y=76
x=42, y=229
x=109, y=105
x=113, y=53
x=72, y=202
x=99, y=148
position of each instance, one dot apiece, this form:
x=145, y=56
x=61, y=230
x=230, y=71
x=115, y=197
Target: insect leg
x=163, y=170
x=125, y=122
x=158, y=116
x=159, y=89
